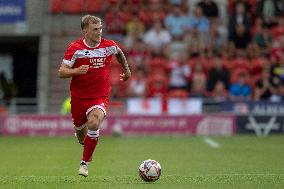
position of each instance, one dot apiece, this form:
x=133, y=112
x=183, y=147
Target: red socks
x=90, y=144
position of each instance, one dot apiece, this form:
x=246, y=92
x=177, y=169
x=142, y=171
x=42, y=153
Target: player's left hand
x=125, y=76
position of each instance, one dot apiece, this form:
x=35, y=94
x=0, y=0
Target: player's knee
x=93, y=124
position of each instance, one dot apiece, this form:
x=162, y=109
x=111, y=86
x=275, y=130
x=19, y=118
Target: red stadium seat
x=158, y=61
x=73, y=6
x=178, y=93
x=55, y=6
x=206, y=63
x=277, y=31
x=158, y=65
x=236, y=72
x=257, y=65
x=240, y=63
x=94, y=6
x=157, y=85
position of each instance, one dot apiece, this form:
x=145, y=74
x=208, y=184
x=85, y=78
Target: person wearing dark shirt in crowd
x=210, y=8
x=218, y=73
x=241, y=37
x=7, y=88
x=248, y=4
x=277, y=69
x=263, y=38
x=264, y=87
x=239, y=17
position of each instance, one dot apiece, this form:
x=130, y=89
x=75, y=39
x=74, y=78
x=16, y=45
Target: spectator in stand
x=174, y=49
x=183, y=4
x=263, y=39
x=218, y=35
x=277, y=49
x=257, y=27
x=240, y=90
x=209, y=8
x=269, y=10
x=115, y=24
x=176, y=22
x=7, y=90
x=194, y=42
x=198, y=81
x=157, y=38
x=218, y=73
x=277, y=70
x=199, y=21
x=179, y=73
x=135, y=29
x=278, y=96
x=264, y=87
x=135, y=26
x=157, y=86
x=237, y=19
x=278, y=30
x=240, y=38
x=153, y=10
x=219, y=92
x=249, y=6
x=137, y=86
x=138, y=55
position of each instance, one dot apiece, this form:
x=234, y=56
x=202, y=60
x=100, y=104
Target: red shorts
x=80, y=107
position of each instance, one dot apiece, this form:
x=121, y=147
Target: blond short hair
x=89, y=19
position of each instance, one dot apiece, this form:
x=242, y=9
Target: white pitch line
x=212, y=143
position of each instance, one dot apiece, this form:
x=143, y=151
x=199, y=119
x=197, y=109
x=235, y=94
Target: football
x=150, y=170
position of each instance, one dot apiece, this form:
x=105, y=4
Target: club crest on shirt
x=110, y=51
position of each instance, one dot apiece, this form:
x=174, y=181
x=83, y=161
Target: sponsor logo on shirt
x=97, y=62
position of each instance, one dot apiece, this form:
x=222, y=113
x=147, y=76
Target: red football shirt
x=96, y=82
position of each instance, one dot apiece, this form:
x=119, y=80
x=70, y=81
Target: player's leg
x=95, y=118
x=78, y=110
x=81, y=133
x=79, y=118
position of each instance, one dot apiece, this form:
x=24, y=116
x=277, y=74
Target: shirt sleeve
x=70, y=56
x=113, y=48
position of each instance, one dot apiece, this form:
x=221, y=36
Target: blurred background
x=199, y=66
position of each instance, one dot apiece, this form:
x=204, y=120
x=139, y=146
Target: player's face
x=94, y=32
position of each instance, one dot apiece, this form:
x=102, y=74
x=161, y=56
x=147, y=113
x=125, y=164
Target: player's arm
x=66, y=71
x=122, y=60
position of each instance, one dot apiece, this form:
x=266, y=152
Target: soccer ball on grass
x=150, y=170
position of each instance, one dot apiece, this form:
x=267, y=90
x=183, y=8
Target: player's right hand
x=82, y=69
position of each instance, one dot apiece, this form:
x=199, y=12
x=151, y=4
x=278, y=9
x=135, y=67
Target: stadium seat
x=73, y=6
x=178, y=93
x=257, y=65
x=277, y=31
x=158, y=65
x=55, y=6
x=240, y=63
x=157, y=85
x=206, y=63
x=192, y=62
x=94, y=6
x=236, y=72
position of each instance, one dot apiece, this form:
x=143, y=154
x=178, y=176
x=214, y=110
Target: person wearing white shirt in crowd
x=157, y=37
x=179, y=73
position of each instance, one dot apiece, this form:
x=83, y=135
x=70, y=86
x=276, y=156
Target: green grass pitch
x=187, y=162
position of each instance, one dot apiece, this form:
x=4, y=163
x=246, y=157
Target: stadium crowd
x=179, y=51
